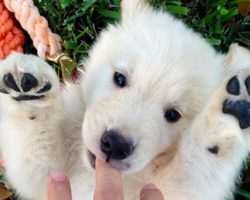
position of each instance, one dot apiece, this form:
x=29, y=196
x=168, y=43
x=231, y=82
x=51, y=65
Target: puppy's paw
x=27, y=78
x=239, y=106
x=228, y=115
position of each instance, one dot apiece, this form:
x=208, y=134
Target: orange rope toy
x=46, y=42
x=11, y=37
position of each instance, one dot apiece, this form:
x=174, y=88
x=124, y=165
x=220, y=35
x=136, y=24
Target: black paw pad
x=45, y=88
x=247, y=83
x=10, y=82
x=3, y=91
x=28, y=82
x=240, y=110
x=27, y=97
x=233, y=86
x=214, y=149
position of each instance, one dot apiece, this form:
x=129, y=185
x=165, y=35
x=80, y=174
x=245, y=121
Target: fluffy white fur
x=167, y=66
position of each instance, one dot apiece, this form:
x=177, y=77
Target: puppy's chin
x=121, y=166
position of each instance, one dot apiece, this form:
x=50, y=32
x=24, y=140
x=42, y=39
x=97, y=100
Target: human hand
x=108, y=186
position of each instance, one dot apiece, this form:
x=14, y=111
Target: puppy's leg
x=31, y=113
x=81, y=178
x=212, y=151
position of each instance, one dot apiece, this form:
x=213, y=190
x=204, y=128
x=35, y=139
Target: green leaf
x=70, y=27
x=87, y=4
x=218, y=29
x=230, y=15
x=82, y=33
x=235, y=2
x=223, y=11
x=173, y=2
x=70, y=44
x=117, y=2
x=243, y=193
x=179, y=10
x=214, y=41
x=65, y=3
x=209, y=17
x=110, y=14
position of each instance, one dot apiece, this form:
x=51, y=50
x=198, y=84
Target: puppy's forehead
x=161, y=79
x=170, y=75
x=161, y=68
x=159, y=56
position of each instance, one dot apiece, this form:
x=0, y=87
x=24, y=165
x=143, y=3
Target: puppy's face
x=146, y=80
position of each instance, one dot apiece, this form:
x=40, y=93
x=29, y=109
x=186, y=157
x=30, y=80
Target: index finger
x=108, y=182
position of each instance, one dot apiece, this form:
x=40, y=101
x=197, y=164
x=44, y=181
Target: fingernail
x=150, y=186
x=58, y=177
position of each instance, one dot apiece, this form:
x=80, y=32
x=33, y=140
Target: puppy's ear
x=237, y=58
x=130, y=7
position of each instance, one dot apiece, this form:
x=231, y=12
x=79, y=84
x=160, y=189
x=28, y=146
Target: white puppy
x=156, y=102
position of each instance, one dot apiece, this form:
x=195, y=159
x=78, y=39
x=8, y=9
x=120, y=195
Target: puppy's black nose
x=115, y=146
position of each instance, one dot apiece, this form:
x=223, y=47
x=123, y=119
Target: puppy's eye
x=119, y=79
x=172, y=115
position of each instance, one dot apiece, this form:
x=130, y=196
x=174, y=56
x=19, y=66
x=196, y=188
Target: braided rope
x=11, y=38
x=46, y=42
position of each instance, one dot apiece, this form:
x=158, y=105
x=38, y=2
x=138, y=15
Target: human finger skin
x=108, y=182
x=59, y=187
x=1, y=164
x=151, y=192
